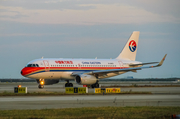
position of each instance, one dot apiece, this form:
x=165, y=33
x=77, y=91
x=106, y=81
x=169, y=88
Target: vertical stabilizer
x=130, y=49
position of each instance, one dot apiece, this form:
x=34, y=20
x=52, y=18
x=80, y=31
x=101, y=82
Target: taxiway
x=161, y=96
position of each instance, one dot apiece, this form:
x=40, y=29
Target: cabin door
x=46, y=64
x=121, y=64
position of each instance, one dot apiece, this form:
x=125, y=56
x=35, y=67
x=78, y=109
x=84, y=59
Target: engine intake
x=86, y=79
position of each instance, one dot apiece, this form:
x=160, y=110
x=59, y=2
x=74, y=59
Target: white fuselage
x=57, y=68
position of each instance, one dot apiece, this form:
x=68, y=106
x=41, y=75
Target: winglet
x=161, y=62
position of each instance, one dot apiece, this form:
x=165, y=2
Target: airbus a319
x=47, y=71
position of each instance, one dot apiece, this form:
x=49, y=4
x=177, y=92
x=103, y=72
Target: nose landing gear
x=41, y=84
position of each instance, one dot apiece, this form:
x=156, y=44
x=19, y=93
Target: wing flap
x=132, y=65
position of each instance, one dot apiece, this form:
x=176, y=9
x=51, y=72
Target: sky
x=31, y=29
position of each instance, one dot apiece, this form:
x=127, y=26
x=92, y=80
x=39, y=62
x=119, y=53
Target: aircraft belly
x=46, y=75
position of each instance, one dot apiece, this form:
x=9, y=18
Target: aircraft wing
x=125, y=69
x=132, y=65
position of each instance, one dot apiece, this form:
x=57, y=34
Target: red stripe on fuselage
x=29, y=70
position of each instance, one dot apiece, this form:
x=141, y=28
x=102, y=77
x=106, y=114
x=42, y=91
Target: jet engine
x=47, y=81
x=86, y=79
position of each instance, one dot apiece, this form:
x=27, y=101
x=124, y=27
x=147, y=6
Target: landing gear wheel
x=68, y=85
x=41, y=86
x=96, y=85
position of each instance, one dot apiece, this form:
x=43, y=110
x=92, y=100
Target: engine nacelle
x=86, y=79
x=48, y=81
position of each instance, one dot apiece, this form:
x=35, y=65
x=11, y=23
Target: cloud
x=164, y=7
x=31, y=34
x=11, y=12
x=101, y=14
x=158, y=7
x=47, y=4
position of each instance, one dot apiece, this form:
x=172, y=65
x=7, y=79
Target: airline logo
x=132, y=45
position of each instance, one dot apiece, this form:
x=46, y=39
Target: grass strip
x=93, y=113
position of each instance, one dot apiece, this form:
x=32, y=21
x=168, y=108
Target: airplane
x=48, y=71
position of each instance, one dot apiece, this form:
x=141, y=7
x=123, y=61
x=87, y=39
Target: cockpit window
x=32, y=65
x=29, y=65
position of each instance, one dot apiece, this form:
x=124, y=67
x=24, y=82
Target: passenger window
x=37, y=65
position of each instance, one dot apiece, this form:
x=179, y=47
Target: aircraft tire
x=68, y=85
x=40, y=86
x=97, y=85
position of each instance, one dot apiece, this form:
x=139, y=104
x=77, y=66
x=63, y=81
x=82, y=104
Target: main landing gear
x=68, y=84
x=96, y=85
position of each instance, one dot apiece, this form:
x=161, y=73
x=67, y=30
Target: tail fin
x=130, y=49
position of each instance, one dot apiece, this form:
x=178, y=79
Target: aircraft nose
x=22, y=72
